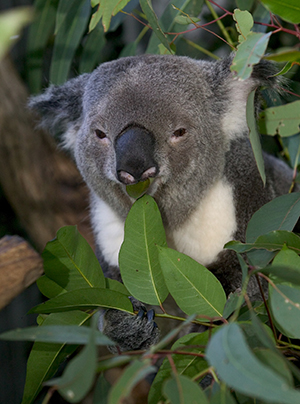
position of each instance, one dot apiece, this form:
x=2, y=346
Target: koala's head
x=163, y=117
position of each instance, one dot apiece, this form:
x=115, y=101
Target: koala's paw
x=130, y=332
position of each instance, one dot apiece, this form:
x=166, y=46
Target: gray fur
x=161, y=94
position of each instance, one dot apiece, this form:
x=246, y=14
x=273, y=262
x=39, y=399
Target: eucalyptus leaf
x=106, y=9
x=67, y=40
x=11, y=23
x=168, y=20
x=273, y=241
x=239, y=368
x=284, y=55
x=45, y=358
x=38, y=36
x=275, y=362
x=138, y=258
x=182, y=390
x=70, y=262
x=254, y=136
x=283, y=120
x=79, y=375
x=62, y=334
x=244, y=23
x=147, y=8
x=285, y=305
x=132, y=375
x=281, y=213
x=187, y=365
x=85, y=299
x=194, y=288
x=223, y=396
x=91, y=54
x=64, y=9
x=101, y=390
x=288, y=10
x=249, y=52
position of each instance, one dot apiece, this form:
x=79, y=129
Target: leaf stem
x=266, y=306
x=220, y=23
x=201, y=49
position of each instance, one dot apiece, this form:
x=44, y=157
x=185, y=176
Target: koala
x=182, y=123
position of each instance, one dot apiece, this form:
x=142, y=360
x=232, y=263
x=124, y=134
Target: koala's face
x=162, y=117
x=149, y=121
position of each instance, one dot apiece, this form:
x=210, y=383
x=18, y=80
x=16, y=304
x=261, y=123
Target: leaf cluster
x=243, y=348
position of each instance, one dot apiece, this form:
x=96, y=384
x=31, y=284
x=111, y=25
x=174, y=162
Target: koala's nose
x=135, y=155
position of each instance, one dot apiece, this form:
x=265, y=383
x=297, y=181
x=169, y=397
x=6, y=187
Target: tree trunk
x=41, y=183
x=20, y=266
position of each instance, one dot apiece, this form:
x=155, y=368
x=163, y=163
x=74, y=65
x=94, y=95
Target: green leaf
x=249, y=53
x=11, y=23
x=168, y=19
x=137, y=190
x=244, y=23
x=275, y=362
x=186, y=20
x=79, y=374
x=281, y=213
x=182, y=390
x=91, y=54
x=70, y=262
x=146, y=6
x=283, y=120
x=222, y=396
x=284, y=55
x=101, y=390
x=187, y=365
x=285, y=306
x=232, y=304
x=38, y=36
x=112, y=284
x=244, y=4
x=194, y=288
x=85, y=299
x=288, y=10
x=138, y=258
x=45, y=358
x=106, y=9
x=64, y=9
x=239, y=368
x=254, y=137
x=48, y=287
x=134, y=373
x=67, y=40
x=58, y=334
x=273, y=241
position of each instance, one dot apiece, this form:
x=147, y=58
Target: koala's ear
x=60, y=109
x=237, y=92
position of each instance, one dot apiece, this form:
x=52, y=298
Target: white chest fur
x=212, y=225
x=202, y=236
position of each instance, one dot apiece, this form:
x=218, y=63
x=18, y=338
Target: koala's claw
x=150, y=315
x=141, y=313
x=130, y=332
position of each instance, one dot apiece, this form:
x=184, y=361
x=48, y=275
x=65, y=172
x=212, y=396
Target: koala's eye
x=100, y=134
x=179, y=132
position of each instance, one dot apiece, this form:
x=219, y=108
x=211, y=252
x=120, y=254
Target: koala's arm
x=129, y=332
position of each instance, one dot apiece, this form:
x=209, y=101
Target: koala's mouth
x=140, y=188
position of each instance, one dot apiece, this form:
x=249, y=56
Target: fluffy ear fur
x=237, y=90
x=60, y=109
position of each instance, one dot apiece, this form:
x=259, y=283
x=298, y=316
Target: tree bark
x=20, y=266
x=41, y=183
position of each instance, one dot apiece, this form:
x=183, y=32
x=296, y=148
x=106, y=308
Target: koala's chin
x=180, y=124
